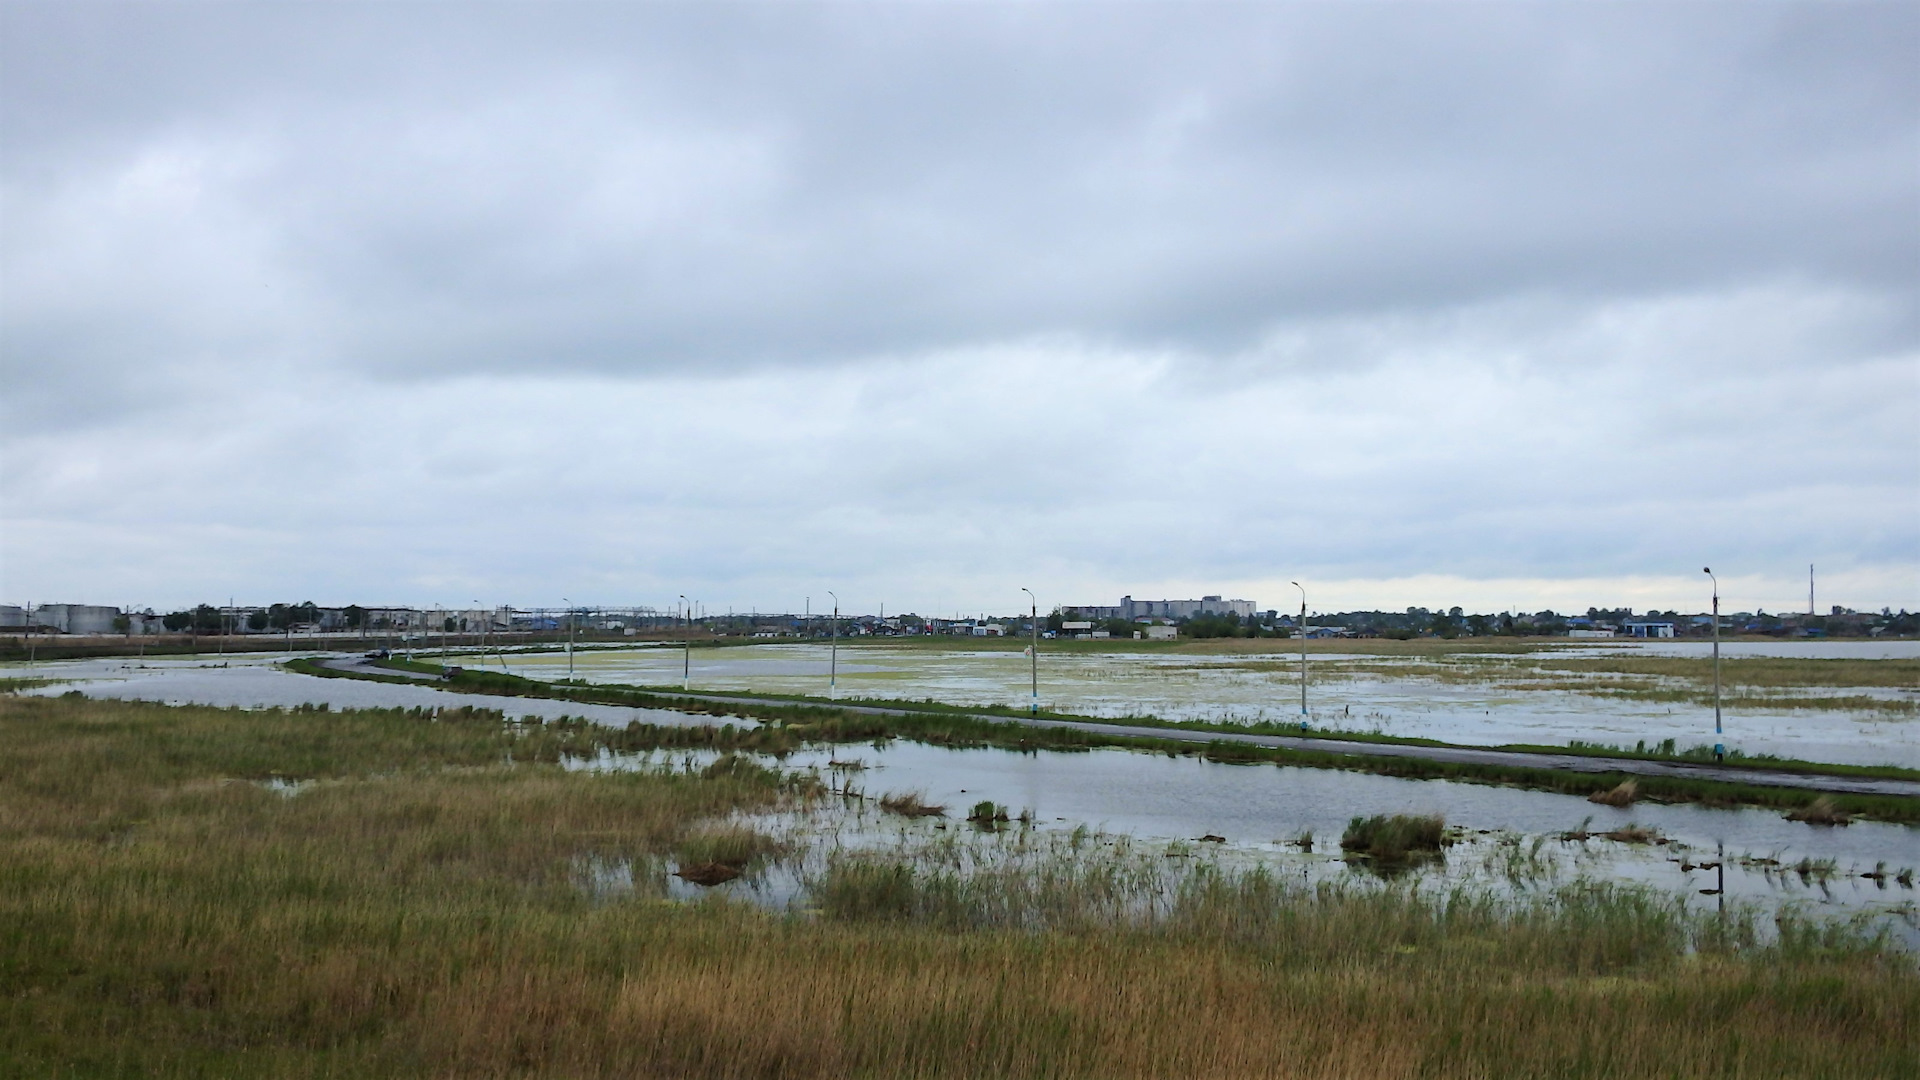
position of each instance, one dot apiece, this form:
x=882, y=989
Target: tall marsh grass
x=418, y=911
x=1394, y=837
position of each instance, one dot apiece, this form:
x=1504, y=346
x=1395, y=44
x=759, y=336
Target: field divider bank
x=1885, y=798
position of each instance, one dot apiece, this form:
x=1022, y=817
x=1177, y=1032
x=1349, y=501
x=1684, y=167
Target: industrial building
x=1172, y=610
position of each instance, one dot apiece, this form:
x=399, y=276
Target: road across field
x=1466, y=755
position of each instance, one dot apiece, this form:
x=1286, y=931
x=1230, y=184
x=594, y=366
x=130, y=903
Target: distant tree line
x=208, y=619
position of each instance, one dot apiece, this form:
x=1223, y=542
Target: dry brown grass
x=1821, y=811
x=1622, y=794
x=910, y=804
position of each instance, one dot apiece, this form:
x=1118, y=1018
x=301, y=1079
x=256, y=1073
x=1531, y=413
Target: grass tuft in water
x=1822, y=811
x=987, y=812
x=1394, y=837
x=910, y=804
x=1622, y=794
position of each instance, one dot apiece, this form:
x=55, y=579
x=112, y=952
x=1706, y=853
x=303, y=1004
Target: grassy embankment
x=418, y=909
x=800, y=721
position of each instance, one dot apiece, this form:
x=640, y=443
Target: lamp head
x=1706, y=569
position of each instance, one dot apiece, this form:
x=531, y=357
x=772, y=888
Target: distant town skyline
x=1507, y=306
x=1127, y=607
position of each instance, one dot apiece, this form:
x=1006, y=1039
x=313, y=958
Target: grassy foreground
x=417, y=909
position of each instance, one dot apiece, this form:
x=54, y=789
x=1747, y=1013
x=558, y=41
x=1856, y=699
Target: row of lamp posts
x=1033, y=653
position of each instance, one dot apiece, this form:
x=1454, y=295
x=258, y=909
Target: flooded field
x=1290, y=820
x=256, y=681
x=1156, y=807
x=1847, y=702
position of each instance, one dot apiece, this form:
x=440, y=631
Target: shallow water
x=1253, y=688
x=1176, y=686
x=1261, y=811
x=1152, y=798
x=257, y=682
x=1809, y=649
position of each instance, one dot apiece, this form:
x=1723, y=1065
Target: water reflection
x=1293, y=818
x=1393, y=694
x=258, y=682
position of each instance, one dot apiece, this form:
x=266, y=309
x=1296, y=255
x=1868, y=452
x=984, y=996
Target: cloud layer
x=926, y=302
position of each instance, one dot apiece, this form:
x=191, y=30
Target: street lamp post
x=483, y=633
x=833, y=661
x=1033, y=650
x=1719, y=749
x=1301, y=628
x=686, y=647
x=569, y=604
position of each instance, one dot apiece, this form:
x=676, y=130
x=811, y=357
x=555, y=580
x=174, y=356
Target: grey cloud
x=922, y=297
x=700, y=188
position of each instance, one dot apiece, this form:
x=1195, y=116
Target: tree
x=1056, y=622
x=207, y=619
x=356, y=615
x=176, y=621
x=256, y=620
x=1210, y=625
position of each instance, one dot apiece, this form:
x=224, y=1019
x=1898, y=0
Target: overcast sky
x=1501, y=305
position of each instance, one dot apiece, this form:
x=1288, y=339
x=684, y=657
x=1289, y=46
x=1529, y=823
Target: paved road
x=1461, y=754
x=360, y=665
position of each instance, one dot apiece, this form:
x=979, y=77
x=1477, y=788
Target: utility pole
x=1719, y=750
x=1810, y=608
x=1302, y=631
x=1033, y=650
x=569, y=638
x=833, y=662
x=686, y=648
